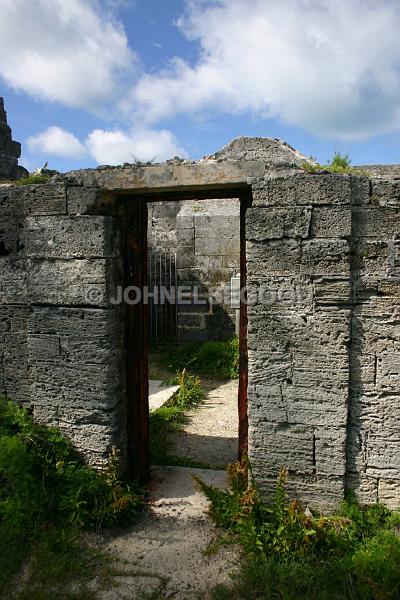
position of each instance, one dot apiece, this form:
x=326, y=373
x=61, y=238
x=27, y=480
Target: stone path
x=165, y=549
x=163, y=554
x=211, y=435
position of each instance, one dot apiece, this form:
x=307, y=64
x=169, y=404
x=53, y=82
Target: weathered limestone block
x=377, y=223
x=302, y=189
x=372, y=259
x=318, y=492
x=362, y=372
x=275, y=445
x=88, y=282
x=72, y=237
x=216, y=246
x=385, y=192
x=295, y=330
x=78, y=374
x=389, y=493
x=13, y=280
x=327, y=371
x=366, y=409
x=280, y=293
x=383, y=459
x=274, y=367
x=365, y=487
x=9, y=232
x=209, y=225
x=315, y=257
x=185, y=237
x=285, y=403
x=388, y=373
x=331, y=292
x=82, y=200
x=360, y=190
x=46, y=199
x=331, y=222
x=16, y=376
x=375, y=333
x=277, y=223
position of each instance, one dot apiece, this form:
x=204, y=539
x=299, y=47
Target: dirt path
x=211, y=434
x=163, y=554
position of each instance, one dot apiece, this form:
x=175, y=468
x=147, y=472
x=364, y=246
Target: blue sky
x=91, y=82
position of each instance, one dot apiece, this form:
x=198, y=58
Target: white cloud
x=330, y=67
x=116, y=147
x=70, y=51
x=57, y=141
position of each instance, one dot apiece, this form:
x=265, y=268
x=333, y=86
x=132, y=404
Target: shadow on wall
x=372, y=434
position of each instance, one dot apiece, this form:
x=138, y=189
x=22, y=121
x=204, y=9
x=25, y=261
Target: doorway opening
x=186, y=251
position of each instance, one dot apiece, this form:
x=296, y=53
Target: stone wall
x=205, y=236
x=323, y=332
x=61, y=341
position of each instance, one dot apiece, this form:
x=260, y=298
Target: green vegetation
x=292, y=554
x=47, y=497
x=168, y=419
x=338, y=164
x=212, y=359
x=29, y=180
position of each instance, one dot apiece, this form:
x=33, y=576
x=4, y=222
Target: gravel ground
x=163, y=554
x=211, y=434
x=165, y=549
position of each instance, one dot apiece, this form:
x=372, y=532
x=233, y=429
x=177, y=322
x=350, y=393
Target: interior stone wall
x=323, y=331
x=205, y=237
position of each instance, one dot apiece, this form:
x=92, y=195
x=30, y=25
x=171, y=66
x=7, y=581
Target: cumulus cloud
x=57, y=141
x=330, y=67
x=71, y=51
x=116, y=147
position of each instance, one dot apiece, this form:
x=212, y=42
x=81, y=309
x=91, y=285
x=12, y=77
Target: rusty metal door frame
x=137, y=324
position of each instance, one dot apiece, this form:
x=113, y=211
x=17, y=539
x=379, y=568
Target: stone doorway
x=137, y=331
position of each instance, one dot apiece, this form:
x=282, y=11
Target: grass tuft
x=167, y=420
x=48, y=495
x=338, y=164
x=211, y=359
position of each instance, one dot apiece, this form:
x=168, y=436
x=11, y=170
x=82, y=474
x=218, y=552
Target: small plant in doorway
x=212, y=359
x=168, y=419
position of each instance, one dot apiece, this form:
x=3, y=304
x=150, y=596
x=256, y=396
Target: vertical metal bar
x=176, y=295
x=159, y=293
x=245, y=201
x=136, y=336
x=165, y=305
x=170, y=288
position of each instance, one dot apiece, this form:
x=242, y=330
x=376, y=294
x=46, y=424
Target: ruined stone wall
x=10, y=151
x=323, y=319
x=61, y=341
